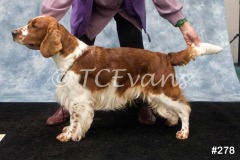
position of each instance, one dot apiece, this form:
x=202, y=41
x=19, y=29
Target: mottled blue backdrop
x=25, y=76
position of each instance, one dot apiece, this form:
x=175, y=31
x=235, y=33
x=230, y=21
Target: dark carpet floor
x=118, y=136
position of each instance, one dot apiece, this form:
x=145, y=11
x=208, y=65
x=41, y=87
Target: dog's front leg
x=80, y=121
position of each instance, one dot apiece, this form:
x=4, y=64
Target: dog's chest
x=69, y=89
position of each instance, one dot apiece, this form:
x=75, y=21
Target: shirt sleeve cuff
x=173, y=18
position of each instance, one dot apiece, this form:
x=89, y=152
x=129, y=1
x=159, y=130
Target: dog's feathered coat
x=97, y=78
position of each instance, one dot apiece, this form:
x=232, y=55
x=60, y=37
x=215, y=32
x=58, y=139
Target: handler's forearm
x=170, y=10
x=55, y=8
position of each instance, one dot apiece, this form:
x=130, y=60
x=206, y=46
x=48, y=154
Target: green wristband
x=180, y=22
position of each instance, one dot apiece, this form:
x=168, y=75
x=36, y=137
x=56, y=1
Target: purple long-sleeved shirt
x=104, y=10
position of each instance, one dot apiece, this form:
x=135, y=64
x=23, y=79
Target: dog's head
x=40, y=33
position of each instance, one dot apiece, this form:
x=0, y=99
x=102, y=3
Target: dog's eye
x=34, y=25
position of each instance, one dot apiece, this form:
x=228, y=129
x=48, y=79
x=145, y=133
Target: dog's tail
x=183, y=57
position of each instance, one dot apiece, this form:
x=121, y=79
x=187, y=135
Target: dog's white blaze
x=24, y=30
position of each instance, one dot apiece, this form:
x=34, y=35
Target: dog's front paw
x=65, y=129
x=63, y=137
x=77, y=138
x=183, y=134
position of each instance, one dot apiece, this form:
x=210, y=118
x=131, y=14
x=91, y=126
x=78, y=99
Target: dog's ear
x=51, y=44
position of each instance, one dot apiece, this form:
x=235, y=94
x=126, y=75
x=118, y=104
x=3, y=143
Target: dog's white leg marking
x=181, y=109
x=80, y=121
x=66, y=131
x=164, y=112
x=172, y=119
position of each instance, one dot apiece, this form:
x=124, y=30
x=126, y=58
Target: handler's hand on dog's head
x=189, y=34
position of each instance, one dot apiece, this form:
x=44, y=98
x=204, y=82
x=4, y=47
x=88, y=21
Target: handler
x=89, y=17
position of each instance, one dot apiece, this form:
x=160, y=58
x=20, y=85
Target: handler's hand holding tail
x=189, y=34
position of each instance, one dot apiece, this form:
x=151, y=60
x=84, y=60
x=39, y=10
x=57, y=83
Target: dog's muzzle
x=14, y=34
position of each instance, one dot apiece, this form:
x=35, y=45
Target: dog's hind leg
x=164, y=112
x=178, y=107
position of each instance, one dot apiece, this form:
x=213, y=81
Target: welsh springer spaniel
x=97, y=78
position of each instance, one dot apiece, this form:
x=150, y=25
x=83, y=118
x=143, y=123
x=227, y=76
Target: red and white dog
x=97, y=78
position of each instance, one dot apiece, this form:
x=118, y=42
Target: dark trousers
x=129, y=36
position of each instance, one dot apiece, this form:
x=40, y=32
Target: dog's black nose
x=14, y=33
